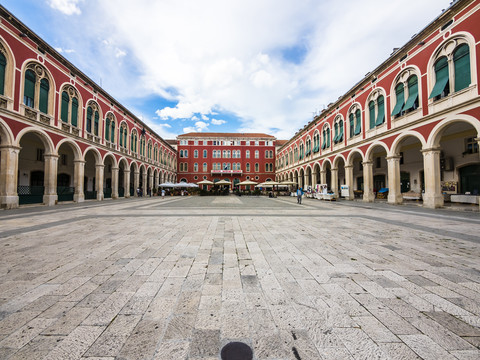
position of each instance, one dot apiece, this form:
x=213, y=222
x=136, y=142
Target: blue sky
x=226, y=66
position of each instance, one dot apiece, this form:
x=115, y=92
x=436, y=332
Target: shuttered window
x=381, y=111
x=371, y=109
x=328, y=137
x=400, y=96
x=97, y=120
x=358, y=124
x=121, y=137
x=335, y=138
x=107, y=129
x=441, y=87
x=3, y=66
x=324, y=143
x=112, y=132
x=461, y=62
x=44, y=89
x=74, y=111
x=89, y=119
x=352, y=124
x=29, y=88
x=412, y=101
x=340, y=137
x=64, y=108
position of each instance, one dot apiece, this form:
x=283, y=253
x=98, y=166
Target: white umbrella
x=288, y=182
x=247, y=182
x=167, y=184
x=223, y=182
x=205, y=182
x=268, y=184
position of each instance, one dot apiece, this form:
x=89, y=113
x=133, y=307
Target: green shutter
x=324, y=144
x=340, y=137
x=461, y=61
x=358, y=124
x=97, y=120
x=112, y=132
x=328, y=137
x=3, y=65
x=89, y=119
x=121, y=137
x=44, y=89
x=29, y=88
x=131, y=142
x=381, y=111
x=107, y=129
x=352, y=124
x=64, y=107
x=335, y=138
x=371, y=108
x=441, y=76
x=412, y=93
x=74, y=111
x=399, y=92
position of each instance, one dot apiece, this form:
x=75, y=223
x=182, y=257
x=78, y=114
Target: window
x=308, y=147
x=181, y=153
x=204, y=154
x=266, y=167
x=195, y=153
x=316, y=144
x=185, y=153
x=3, y=66
x=400, y=100
x=471, y=146
x=69, y=106
x=247, y=154
x=123, y=135
x=256, y=167
x=461, y=61
x=133, y=141
x=358, y=122
x=376, y=108
x=301, y=152
x=185, y=167
x=205, y=167
x=40, y=154
x=96, y=123
x=110, y=128
x=36, y=83
x=257, y=154
x=326, y=137
x=142, y=145
x=247, y=167
x=195, y=167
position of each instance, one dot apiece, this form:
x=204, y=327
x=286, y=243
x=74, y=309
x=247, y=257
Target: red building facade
x=411, y=127
x=231, y=156
x=62, y=137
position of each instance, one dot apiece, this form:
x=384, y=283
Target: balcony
x=227, y=172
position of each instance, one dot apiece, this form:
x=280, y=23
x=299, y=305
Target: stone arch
x=111, y=156
x=72, y=91
x=337, y=160
x=96, y=154
x=398, y=140
x=369, y=153
x=325, y=163
x=351, y=156
x=6, y=134
x=76, y=149
x=47, y=142
x=436, y=133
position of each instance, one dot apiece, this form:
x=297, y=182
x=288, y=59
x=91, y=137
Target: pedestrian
x=299, y=195
x=163, y=193
x=138, y=192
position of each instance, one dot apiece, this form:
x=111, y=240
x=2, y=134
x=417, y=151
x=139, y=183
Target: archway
x=93, y=167
x=142, y=180
x=34, y=161
x=123, y=179
x=316, y=174
x=109, y=177
x=375, y=173
x=8, y=169
x=68, y=183
x=355, y=166
x=339, y=173
x=133, y=179
x=301, y=178
x=327, y=169
x=452, y=164
x=308, y=177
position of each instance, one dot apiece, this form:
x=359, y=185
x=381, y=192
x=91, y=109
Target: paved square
x=180, y=278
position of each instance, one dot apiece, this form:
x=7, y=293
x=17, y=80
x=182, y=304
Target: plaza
x=181, y=277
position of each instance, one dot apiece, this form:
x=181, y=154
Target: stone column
x=368, y=195
x=305, y=181
x=394, y=189
x=99, y=174
x=8, y=176
x=432, y=198
x=323, y=177
x=136, y=182
x=334, y=181
x=50, y=196
x=145, y=184
x=314, y=179
x=151, y=184
x=78, y=182
x=114, y=182
x=349, y=181
x=126, y=182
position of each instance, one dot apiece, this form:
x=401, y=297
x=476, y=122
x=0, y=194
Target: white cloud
x=199, y=127
x=120, y=53
x=231, y=56
x=68, y=7
x=64, y=51
x=218, y=122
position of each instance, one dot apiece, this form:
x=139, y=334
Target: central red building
x=231, y=156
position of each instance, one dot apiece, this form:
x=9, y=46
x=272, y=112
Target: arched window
x=205, y=167
x=400, y=100
x=74, y=113
x=107, y=129
x=36, y=88
x=257, y=167
x=257, y=154
x=112, y=131
x=69, y=106
x=316, y=143
x=64, y=106
x=204, y=154
x=301, y=155
x=195, y=167
x=195, y=153
x=326, y=137
x=247, y=167
x=376, y=109
x=96, y=124
x=133, y=141
x=89, y=119
x=358, y=122
x=371, y=112
x=247, y=154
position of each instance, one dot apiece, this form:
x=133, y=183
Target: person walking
x=299, y=195
x=163, y=193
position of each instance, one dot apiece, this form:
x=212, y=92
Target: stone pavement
x=180, y=278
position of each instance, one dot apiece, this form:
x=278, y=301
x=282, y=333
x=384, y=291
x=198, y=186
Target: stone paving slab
x=181, y=277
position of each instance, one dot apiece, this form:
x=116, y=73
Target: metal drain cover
x=236, y=351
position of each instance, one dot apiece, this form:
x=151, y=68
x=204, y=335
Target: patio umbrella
x=223, y=182
x=205, y=182
x=268, y=184
x=167, y=184
x=288, y=182
x=247, y=182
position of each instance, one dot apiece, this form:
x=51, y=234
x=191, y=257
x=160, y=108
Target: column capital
x=334, y=169
x=79, y=161
x=12, y=147
x=114, y=168
x=393, y=157
x=99, y=166
x=367, y=163
x=432, y=149
x=51, y=156
x=348, y=166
